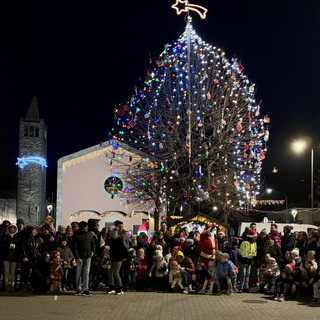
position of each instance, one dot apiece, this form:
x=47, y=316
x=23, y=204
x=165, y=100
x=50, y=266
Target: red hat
x=251, y=233
x=176, y=249
x=290, y=267
x=221, y=231
x=174, y=263
x=208, y=226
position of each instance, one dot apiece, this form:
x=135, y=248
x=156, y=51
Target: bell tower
x=32, y=163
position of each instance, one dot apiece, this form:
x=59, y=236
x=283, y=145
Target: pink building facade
x=91, y=185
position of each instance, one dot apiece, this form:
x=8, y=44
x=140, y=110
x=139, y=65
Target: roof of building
x=33, y=112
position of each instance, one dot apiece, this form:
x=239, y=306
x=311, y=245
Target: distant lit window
x=113, y=185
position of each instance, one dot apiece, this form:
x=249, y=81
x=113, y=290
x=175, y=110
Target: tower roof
x=33, y=112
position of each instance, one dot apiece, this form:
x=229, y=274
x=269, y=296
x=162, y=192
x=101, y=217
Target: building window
x=25, y=131
x=36, y=134
x=113, y=185
x=31, y=131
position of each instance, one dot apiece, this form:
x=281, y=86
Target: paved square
x=151, y=305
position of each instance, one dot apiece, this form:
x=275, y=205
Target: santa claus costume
x=207, y=246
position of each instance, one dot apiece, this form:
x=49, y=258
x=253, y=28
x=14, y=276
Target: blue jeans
x=186, y=278
x=244, y=273
x=82, y=275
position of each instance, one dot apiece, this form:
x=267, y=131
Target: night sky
x=81, y=58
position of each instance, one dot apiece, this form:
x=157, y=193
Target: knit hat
x=20, y=221
x=46, y=226
x=251, y=233
x=174, y=263
x=158, y=254
x=263, y=231
x=82, y=224
x=289, y=268
x=176, y=249
x=180, y=256
x=221, y=232
x=131, y=251
x=189, y=242
x=289, y=228
x=296, y=252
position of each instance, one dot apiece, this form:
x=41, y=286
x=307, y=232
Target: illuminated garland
x=22, y=162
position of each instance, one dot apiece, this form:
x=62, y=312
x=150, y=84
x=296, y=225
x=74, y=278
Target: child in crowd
x=269, y=271
x=131, y=269
x=141, y=270
x=66, y=257
x=225, y=273
x=276, y=237
x=175, y=275
x=159, y=271
x=200, y=275
x=284, y=283
x=307, y=276
x=56, y=272
x=210, y=278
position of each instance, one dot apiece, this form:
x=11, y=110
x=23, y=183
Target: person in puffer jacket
x=268, y=274
x=225, y=273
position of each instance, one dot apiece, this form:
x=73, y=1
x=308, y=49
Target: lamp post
x=299, y=146
x=286, y=198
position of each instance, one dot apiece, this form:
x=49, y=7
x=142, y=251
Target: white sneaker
x=112, y=292
x=119, y=292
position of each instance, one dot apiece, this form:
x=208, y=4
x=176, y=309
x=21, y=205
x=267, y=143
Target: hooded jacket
x=10, y=245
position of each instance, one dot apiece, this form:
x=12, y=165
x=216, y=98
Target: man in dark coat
x=83, y=250
x=287, y=240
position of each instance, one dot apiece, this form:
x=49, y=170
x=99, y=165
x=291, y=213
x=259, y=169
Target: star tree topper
x=184, y=6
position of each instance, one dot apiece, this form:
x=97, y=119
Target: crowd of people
x=80, y=257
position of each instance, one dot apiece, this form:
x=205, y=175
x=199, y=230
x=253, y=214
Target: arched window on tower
x=31, y=131
x=36, y=133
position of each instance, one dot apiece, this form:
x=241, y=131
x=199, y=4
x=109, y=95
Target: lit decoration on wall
x=22, y=162
x=184, y=6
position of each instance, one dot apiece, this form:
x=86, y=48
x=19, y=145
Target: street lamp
x=271, y=190
x=299, y=146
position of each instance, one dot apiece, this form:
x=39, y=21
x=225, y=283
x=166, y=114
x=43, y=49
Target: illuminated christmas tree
x=196, y=120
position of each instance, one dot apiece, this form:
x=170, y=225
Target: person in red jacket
x=208, y=245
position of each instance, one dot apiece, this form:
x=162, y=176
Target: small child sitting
x=210, y=278
x=175, y=275
x=284, y=283
x=269, y=271
x=200, y=276
x=225, y=273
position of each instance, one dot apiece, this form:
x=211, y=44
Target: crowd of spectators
x=81, y=258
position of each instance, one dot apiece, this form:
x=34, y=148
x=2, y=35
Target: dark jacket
x=10, y=254
x=118, y=251
x=83, y=245
x=287, y=243
x=31, y=249
x=66, y=255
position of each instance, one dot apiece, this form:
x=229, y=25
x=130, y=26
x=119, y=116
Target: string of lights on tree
x=196, y=119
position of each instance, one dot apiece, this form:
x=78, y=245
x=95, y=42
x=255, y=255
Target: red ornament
x=246, y=147
x=185, y=193
x=239, y=127
x=240, y=67
x=170, y=128
x=245, y=155
x=262, y=156
x=167, y=65
x=186, y=147
x=132, y=123
x=266, y=120
x=120, y=112
x=213, y=187
x=237, y=184
x=216, y=81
